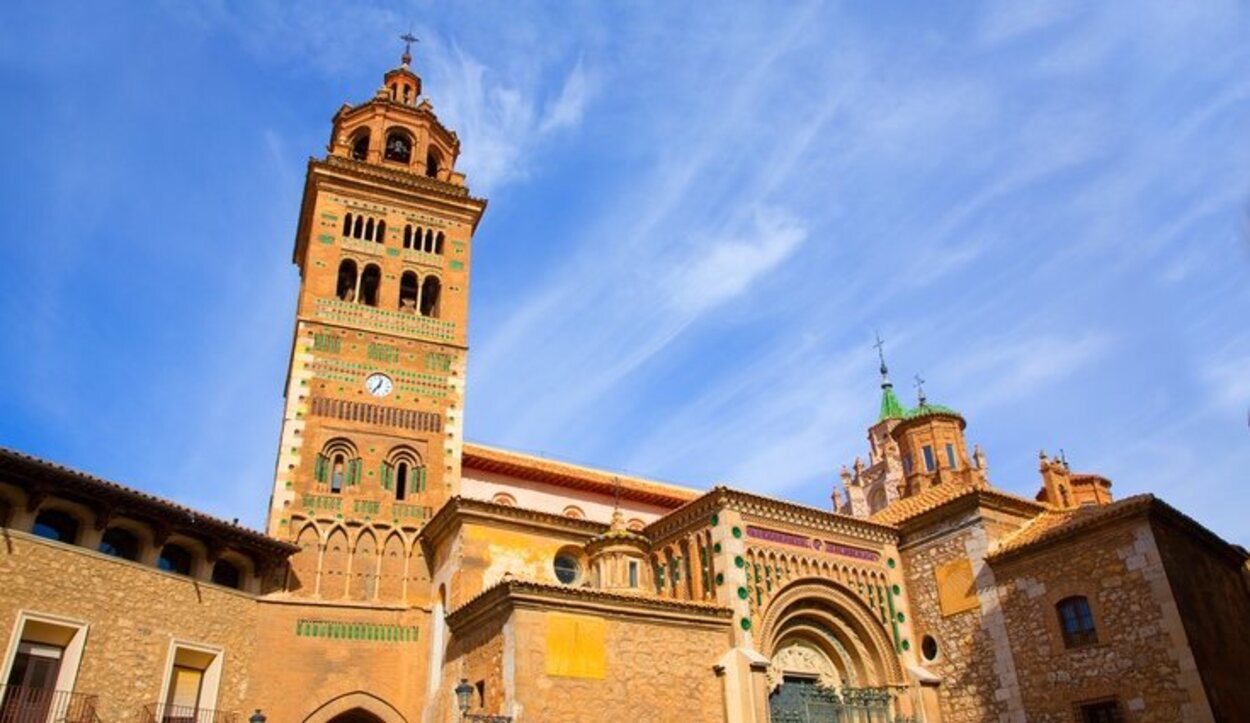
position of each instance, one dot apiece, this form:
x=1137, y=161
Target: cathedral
x=408, y=576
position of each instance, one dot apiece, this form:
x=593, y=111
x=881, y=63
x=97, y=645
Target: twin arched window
x=1076, y=621
x=415, y=296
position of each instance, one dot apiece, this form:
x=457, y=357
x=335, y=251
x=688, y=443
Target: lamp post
x=463, y=692
x=257, y=717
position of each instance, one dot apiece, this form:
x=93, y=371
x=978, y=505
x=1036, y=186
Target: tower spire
x=920, y=397
x=891, y=408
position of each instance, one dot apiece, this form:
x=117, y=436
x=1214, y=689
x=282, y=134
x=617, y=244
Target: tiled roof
x=1057, y=523
x=563, y=474
x=36, y=473
x=929, y=410
x=935, y=497
x=891, y=407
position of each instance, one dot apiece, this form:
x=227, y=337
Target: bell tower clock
x=371, y=432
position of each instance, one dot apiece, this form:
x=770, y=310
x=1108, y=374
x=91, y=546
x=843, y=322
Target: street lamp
x=463, y=692
x=257, y=717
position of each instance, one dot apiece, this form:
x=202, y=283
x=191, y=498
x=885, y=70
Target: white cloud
x=999, y=371
x=1007, y=20
x=719, y=271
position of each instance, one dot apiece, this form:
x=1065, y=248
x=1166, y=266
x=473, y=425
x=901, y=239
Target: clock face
x=378, y=384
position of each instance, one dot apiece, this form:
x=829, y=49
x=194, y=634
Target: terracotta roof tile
x=1056, y=523
x=935, y=497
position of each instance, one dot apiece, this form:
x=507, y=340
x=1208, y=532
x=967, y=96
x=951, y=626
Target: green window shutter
x=386, y=476
x=319, y=470
x=353, y=472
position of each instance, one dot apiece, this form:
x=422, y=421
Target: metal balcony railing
x=19, y=704
x=166, y=713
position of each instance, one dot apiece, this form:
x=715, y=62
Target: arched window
x=174, y=558
x=398, y=147
x=438, y=243
x=430, y=289
x=338, y=471
x=346, y=289
x=56, y=525
x=429, y=241
x=338, y=465
x=408, y=236
x=380, y=236
x=1077, y=621
x=393, y=91
x=403, y=474
x=120, y=543
x=407, y=92
x=877, y=500
x=369, y=230
x=408, y=292
x=370, y=279
x=360, y=146
x=432, y=163
x=358, y=229
x=347, y=225
x=227, y=574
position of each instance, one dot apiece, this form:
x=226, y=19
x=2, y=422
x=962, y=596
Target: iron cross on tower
x=919, y=385
x=408, y=39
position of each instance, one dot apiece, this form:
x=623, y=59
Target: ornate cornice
x=397, y=177
x=499, y=600
x=458, y=510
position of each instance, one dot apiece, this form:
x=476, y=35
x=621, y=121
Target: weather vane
x=408, y=39
x=919, y=385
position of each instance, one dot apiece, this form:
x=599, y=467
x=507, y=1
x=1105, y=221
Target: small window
x=119, y=543
x=401, y=481
x=346, y=289
x=408, y=292
x=438, y=243
x=428, y=246
x=226, y=574
x=398, y=147
x=358, y=228
x=174, y=558
x=370, y=280
x=431, y=164
x=430, y=289
x=56, y=525
x=1104, y=711
x=930, y=463
x=567, y=568
x=633, y=573
x=1077, y=622
x=337, y=471
x=408, y=236
x=380, y=235
x=347, y=225
x=369, y=230
x=360, y=148
x=950, y=457
x=929, y=648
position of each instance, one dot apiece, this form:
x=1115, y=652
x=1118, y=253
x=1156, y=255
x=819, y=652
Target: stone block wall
x=1213, y=597
x=133, y=613
x=655, y=672
x=1139, y=658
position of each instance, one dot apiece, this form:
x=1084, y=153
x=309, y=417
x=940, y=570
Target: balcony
x=19, y=704
x=166, y=713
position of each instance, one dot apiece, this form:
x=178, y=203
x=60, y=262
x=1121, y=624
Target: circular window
x=567, y=568
x=929, y=648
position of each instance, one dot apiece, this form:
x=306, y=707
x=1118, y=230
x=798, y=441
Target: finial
x=1063, y=457
x=919, y=385
x=408, y=39
x=885, y=371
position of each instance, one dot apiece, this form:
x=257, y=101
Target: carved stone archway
x=835, y=623
x=357, y=707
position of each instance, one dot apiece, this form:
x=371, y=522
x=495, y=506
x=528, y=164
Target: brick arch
x=364, y=705
x=843, y=614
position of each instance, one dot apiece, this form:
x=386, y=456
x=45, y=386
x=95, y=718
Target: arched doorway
x=831, y=659
x=356, y=715
x=358, y=707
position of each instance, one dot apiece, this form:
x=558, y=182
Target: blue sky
x=697, y=221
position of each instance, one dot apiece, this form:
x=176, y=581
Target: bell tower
x=371, y=431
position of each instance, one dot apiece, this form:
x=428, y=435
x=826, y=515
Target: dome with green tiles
x=924, y=409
